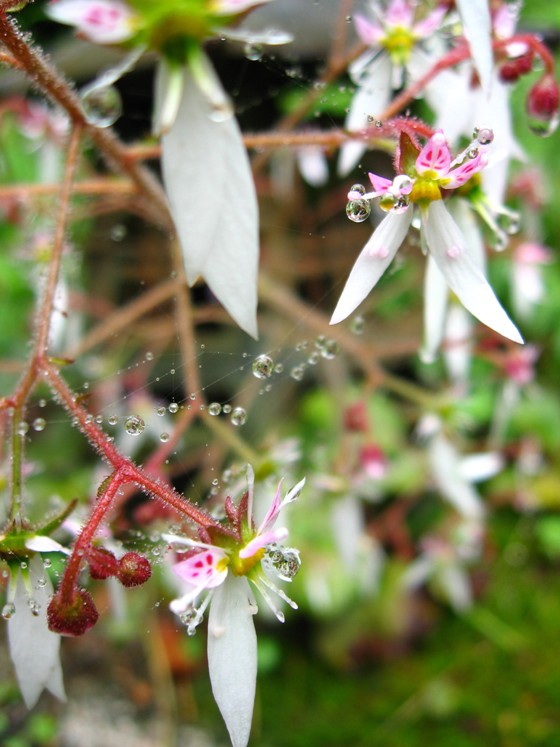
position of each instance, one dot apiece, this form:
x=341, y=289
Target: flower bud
x=356, y=418
x=133, y=569
x=102, y=563
x=513, y=69
x=72, y=617
x=542, y=106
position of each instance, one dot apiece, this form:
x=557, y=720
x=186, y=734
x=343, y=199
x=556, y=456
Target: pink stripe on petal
x=434, y=156
x=463, y=173
x=399, y=13
x=370, y=33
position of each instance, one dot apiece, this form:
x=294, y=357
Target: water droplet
x=39, y=424
x=253, y=52
x=313, y=359
x=191, y=618
x=41, y=583
x=226, y=409
x=263, y=367
x=161, y=411
x=22, y=428
x=221, y=111
x=47, y=562
x=387, y=202
x=401, y=205
x=112, y=420
x=483, y=135
x=149, y=356
x=357, y=325
x=118, y=232
x=356, y=192
x=8, y=611
x=214, y=408
x=134, y=425
x=279, y=368
x=358, y=210
x=297, y=373
x=215, y=482
x=330, y=350
x=543, y=127
x=403, y=184
x=102, y=106
x=23, y=565
x=473, y=152
x=99, y=419
x=320, y=342
x=453, y=252
x=34, y=606
x=238, y=416
x=283, y=561
x=174, y=407
x=509, y=221
x=164, y=437
x=42, y=403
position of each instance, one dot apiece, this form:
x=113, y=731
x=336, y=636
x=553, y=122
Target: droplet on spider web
x=238, y=416
x=134, y=425
x=39, y=424
x=102, y=106
x=173, y=407
x=263, y=367
x=214, y=408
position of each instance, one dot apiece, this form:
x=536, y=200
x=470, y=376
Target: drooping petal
x=370, y=99
x=34, y=649
x=436, y=295
x=435, y=156
x=101, y=21
x=477, y=26
x=232, y=656
x=212, y=198
x=374, y=259
x=278, y=504
x=168, y=93
x=447, y=246
x=207, y=568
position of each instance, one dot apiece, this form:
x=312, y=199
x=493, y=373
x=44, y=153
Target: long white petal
x=436, y=295
x=477, y=26
x=370, y=99
x=213, y=202
x=232, y=656
x=34, y=649
x=448, y=247
x=374, y=259
x=168, y=93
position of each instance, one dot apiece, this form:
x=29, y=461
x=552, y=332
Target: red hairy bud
x=133, y=569
x=513, y=69
x=355, y=418
x=102, y=563
x=72, y=617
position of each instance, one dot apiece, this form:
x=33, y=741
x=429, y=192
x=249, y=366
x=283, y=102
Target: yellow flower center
x=425, y=189
x=242, y=566
x=399, y=42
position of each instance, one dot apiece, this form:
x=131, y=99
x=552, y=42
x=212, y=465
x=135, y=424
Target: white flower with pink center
x=221, y=574
x=434, y=170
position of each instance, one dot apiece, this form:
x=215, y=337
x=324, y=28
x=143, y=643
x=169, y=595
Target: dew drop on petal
x=453, y=252
x=356, y=191
x=483, y=135
x=34, y=607
x=221, y=111
x=238, y=416
x=134, y=425
x=358, y=210
x=263, y=367
x=102, y=106
x=214, y=408
x=8, y=610
x=39, y=424
x=403, y=184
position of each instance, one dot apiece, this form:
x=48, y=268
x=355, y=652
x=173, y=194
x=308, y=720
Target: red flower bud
x=133, y=569
x=514, y=68
x=74, y=617
x=542, y=106
x=356, y=418
x=102, y=563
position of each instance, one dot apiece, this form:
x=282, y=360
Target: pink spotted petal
x=434, y=156
x=100, y=21
x=463, y=173
x=201, y=570
x=379, y=183
x=370, y=33
x=261, y=540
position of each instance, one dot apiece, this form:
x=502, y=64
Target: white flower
x=442, y=239
x=34, y=649
x=220, y=573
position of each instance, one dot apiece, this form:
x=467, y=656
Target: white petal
x=436, y=295
x=446, y=470
x=370, y=99
x=477, y=26
x=213, y=202
x=168, y=92
x=232, y=656
x=271, y=37
x=33, y=647
x=458, y=344
x=374, y=259
x=483, y=466
x=313, y=165
x=39, y=543
x=447, y=246
x=455, y=584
